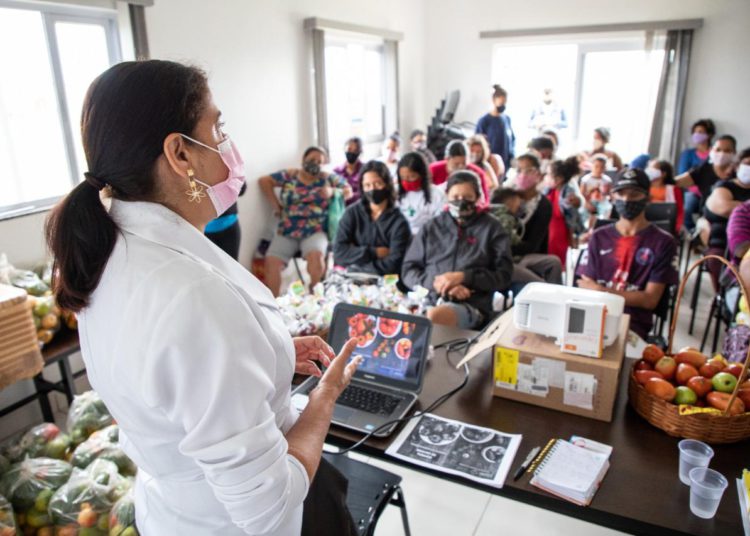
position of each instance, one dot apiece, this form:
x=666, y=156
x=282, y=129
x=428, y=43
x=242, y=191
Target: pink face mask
x=525, y=181
x=225, y=193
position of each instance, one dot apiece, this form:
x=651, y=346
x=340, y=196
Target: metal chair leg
x=708, y=326
x=694, y=298
x=717, y=328
x=398, y=500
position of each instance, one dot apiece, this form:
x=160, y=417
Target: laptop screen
x=393, y=346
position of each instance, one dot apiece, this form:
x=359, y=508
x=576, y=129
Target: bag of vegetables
x=44, y=440
x=87, y=414
x=29, y=485
x=84, y=503
x=7, y=519
x=4, y=464
x=122, y=517
x=103, y=445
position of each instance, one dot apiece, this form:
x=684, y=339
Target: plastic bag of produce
x=28, y=485
x=44, y=440
x=7, y=519
x=87, y=414
x=46, y=315
x=122, y=517
x=103, y=445
x=4, y=464
x=29, y=281
x=85, y=502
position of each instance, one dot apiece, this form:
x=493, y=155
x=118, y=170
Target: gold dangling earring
x=196, y=192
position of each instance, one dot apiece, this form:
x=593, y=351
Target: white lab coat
x=190, y=354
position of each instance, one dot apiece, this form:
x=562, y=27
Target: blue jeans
x=692, y=207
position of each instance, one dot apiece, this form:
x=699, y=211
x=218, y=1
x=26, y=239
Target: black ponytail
x=128, y=112
x=565, y=169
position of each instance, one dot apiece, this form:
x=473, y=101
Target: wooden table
x=641, y=493
x=58, y=351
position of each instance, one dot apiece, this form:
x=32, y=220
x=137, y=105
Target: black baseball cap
x=631, y=178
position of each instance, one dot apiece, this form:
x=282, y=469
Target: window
x=610, y=82
x=355, y=72
x=49, y=56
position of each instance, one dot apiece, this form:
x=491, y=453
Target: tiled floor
x=439, y=507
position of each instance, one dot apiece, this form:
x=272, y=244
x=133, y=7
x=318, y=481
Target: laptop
x=387, y=383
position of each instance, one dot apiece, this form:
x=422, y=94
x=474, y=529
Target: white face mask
x=743, y=173
x=653, y=173
x=721, y=159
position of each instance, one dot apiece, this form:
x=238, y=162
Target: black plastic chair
x=663, y=316
x=663, y=215
x=371, y=489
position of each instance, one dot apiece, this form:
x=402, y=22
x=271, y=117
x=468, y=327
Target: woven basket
x=20, y=357
x=708, y=427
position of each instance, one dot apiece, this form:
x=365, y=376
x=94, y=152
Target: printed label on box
x=555, y=370
x=579, y=390
x=506, y=368
x=532, y=380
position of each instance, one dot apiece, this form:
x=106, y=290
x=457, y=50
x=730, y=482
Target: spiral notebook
x=571, y=471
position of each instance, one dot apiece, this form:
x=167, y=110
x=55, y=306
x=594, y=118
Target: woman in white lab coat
x=187, y=349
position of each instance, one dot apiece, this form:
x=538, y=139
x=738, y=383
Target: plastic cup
x=706, y=488
x=693, y=454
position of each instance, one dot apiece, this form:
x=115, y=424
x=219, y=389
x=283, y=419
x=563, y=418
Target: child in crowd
x=565, y=224
x=595, y=188
x=506, y=204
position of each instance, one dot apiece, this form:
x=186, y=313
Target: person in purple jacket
x=631, y=257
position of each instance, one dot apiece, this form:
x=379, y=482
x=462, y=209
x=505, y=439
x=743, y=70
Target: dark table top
x=640, y=494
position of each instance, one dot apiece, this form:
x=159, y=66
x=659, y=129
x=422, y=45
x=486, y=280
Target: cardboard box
x=531, y=368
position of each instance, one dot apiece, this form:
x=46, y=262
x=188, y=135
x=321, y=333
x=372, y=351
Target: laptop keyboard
x=368, y=400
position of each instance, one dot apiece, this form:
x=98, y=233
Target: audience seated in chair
x=664, y=190
x=456, y=159
x=418, y=199
x=461, y=256
x=373, y=235
x=351, y=169
x=632, y=257
x=302, y=209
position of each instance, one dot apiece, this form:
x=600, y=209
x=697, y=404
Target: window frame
x=52, y=14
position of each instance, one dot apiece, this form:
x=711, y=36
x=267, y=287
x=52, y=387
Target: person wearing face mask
x=187, y=349
x=373, y=234
x=391, y=152
x=600, y=141
x=495, y=126
x=456, y=159
x=461, y=256
x=418, y=142
x=631, y=257
x=701, y=136
x=302, y=209
x=351, y=169
x=418, y=199
x=491, y=164
x=531, y=261
x=664, y=190
x=726, y=196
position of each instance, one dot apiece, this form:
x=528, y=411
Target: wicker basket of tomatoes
x=687, y=394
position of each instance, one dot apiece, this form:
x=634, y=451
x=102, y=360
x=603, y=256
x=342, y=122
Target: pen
x=526, y=463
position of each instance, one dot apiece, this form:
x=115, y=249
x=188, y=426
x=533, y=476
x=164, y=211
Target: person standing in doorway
x=495, y=125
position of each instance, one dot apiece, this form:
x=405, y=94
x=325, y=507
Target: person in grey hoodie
x=461, y=256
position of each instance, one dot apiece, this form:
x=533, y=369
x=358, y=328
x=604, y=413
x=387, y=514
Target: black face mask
x=351, y=157
x=377, y=196
x=313, y=168
x=500, y=109
x=461, y=209
x=630, y=210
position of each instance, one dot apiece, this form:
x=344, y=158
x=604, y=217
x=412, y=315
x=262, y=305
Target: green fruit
x=116, y=530
x=91, y=531
x=685, y=395
x=42, y=500
x=36, y=519
x=58, y=447
x=103, y=523
x=42, y=307
x=130, y=531
x=724, y=382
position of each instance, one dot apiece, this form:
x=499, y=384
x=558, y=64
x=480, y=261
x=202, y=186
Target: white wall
x=718, y=80
x=257, y=56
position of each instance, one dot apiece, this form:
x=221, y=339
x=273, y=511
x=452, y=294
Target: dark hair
x=127, y=113
x=604, y=134
x=395, y=137
x=552, y=134
x=744, y=154
x=565, y=169
x=498, y=91
x=455, y=148
x=501, y=195
x=464, y=176
x=532, y=158
x=381, y=170
x=731, y=139
x=708, y=126
x=314, y=149
x=541, y=143
x=416, y=132
x=667, y=171
x=416, y=162
x=356, y=140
